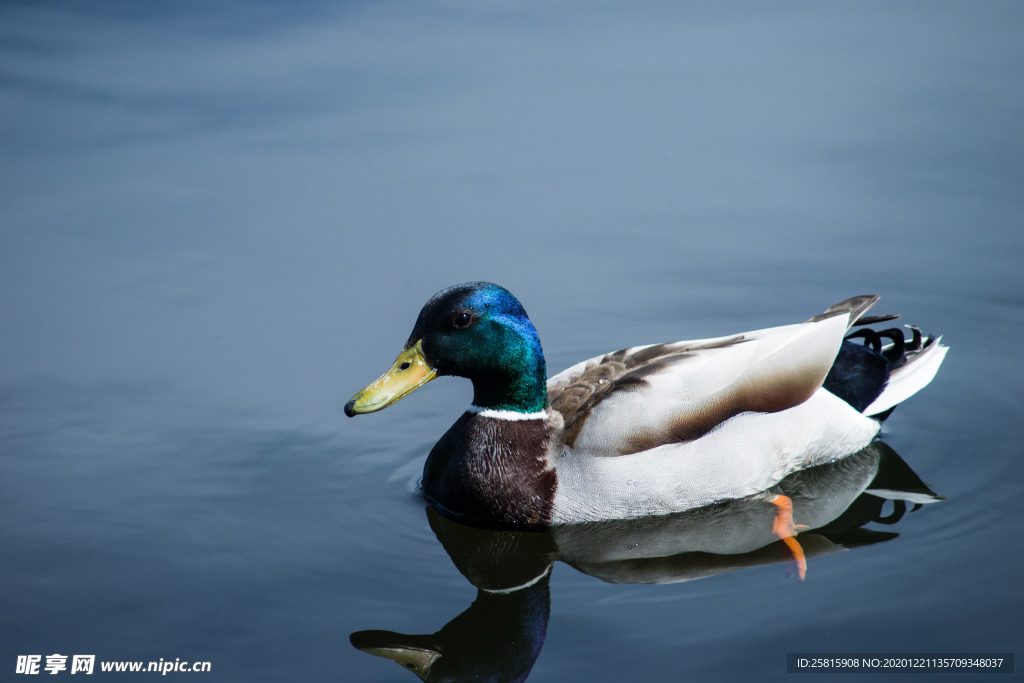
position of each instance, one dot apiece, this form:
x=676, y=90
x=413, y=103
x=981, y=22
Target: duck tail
x=912, y=366
x=875, y=370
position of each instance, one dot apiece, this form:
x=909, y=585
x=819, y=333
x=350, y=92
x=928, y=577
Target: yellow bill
x=415, y=659
x=409, y=372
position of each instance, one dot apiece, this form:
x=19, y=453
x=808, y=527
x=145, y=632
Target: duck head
x=476, y=330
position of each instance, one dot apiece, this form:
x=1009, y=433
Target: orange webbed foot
x=785, y=530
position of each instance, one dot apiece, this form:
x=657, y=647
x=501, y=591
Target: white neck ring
x=510, y=415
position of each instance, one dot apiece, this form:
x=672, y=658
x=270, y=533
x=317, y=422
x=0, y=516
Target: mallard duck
x=648, y=430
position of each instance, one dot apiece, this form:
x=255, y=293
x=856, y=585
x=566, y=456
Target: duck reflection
x=500, y=635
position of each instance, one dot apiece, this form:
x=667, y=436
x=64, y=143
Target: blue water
x=219, y=220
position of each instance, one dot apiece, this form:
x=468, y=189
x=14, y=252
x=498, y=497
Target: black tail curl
x=862, y=368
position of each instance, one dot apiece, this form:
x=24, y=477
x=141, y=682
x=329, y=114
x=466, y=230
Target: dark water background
x=219, y=220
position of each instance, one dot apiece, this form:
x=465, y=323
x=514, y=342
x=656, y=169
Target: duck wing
x=639, y=398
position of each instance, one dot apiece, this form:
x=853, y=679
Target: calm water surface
x=219, y=221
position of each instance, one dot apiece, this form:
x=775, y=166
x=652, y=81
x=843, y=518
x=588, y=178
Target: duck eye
x=462, y=320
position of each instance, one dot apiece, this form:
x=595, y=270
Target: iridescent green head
x=476, y=330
